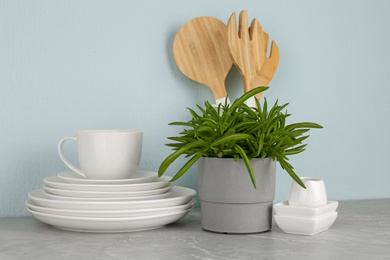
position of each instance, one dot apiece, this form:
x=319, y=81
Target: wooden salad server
x=201, y=53
x=248, y=48
x=243, y=47
x=266, y=71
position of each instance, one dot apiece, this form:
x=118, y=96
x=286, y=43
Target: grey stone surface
x=361, y=231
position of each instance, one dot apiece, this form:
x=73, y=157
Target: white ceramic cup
x=105, y=154
x=313, y=196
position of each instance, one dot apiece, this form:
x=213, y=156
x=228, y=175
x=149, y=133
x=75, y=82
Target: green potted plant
x=237, y=147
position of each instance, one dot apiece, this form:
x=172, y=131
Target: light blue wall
x=69, y=65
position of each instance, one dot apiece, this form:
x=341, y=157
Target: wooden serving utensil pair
x=205, y=49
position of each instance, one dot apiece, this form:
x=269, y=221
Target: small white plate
x=305, y=212
x=105, y=194
x=108, y=225
x=58, y=183
x=110, y=213
x=179, y=196
x=139, y=177
x=305, y=226
x=150, y=197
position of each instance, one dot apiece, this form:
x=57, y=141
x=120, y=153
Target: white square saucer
x=304, y=212
x=305, y=226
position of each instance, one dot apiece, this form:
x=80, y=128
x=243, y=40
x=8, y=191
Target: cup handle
x=61, y=152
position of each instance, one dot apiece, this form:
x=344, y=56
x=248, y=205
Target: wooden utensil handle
x=249, y=82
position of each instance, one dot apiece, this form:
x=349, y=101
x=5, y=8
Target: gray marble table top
x=361, y=231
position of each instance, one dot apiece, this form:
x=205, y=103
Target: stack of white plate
x=71, y=202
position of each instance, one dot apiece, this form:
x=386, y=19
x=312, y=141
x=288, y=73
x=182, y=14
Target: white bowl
x=284, y=208
x=305, y=226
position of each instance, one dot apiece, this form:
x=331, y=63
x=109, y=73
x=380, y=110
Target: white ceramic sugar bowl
x=307, y=211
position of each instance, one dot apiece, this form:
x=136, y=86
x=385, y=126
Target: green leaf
x=282, y=133
x=165, y=164
x=238, y=102
x=295, y=150
x=186, y=166
x=303, y=125
x=299, y=132
x=265, y=109
x=247, y=164
x=194, y=115
x=286, y=166
x=300, y=139
x=259, y=125
x=260, y=145
x=229, y=138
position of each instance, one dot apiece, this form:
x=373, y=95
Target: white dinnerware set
x=108, y=193
x=307, y=211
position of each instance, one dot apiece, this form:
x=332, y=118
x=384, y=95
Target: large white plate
x=108, y=225
x=150, y=197
x=139, y=177
x=110, y=213
x=179, y=196
x=56, y=182
x=105, y=194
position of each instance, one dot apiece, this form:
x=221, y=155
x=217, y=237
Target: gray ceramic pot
x=229, y=202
